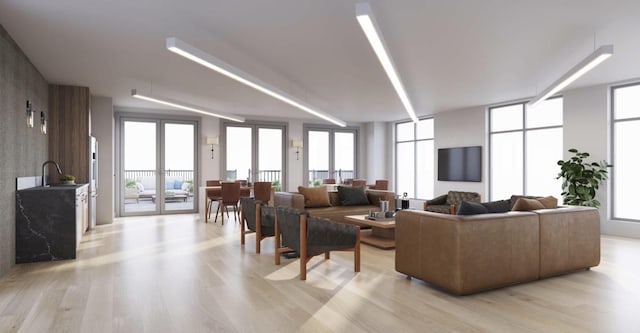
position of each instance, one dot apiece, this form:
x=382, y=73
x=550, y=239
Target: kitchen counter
x=49, y=222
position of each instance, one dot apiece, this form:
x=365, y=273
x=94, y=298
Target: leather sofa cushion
x=524, y=204
x=315, y=196
x=549, y=202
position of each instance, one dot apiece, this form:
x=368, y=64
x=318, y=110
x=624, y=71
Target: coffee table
x=382, y=233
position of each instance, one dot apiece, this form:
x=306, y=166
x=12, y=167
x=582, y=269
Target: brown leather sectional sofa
x=336, y=211
x=468, y=254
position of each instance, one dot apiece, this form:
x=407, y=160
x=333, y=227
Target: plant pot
x=68, y=182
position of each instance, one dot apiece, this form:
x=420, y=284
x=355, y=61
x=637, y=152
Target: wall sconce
x=297, y=144
x=30, y=115
x=212, y=141
x=43, y=123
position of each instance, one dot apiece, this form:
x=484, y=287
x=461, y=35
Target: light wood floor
x=176, y=274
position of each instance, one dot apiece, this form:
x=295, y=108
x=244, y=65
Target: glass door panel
x=139, y=161
x=270, y=155
x=318, y=157
x=344, y=156
x=239, y=156
x=179, y=166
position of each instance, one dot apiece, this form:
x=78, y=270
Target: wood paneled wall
x=69, y=128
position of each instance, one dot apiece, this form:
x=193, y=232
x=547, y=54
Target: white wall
x=102, y=127
x=294, y=166
x=458, y=129
x=376, y=153
x=209, y=167
x=587, y=128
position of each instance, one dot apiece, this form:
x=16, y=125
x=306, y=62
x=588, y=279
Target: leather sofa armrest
x=290, y=200
x=375, y=196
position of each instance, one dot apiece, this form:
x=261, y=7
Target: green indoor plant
x=581, y=179
x=68, y=179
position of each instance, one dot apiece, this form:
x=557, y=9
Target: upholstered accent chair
x=311, y=236
x=258, y=218
x=447, y=203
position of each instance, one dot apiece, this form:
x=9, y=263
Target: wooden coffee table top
x=362, y=219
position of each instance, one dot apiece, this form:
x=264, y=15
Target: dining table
x=217, y=191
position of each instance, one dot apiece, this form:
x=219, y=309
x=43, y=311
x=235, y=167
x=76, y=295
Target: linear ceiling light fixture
x=587, y=64
x=367, y=21
x=196, y=55
x=187, y=107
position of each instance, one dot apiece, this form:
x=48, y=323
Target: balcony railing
x=339, y=175
x=136, y=175
x=263, y=175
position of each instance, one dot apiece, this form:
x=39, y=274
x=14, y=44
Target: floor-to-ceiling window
x=330, y=153
x=157, y=159
x=415, y=173
x=255, y=152
x=525, y=146
x=625, y=101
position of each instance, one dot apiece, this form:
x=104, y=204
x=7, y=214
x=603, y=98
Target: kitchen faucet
x=43, y=165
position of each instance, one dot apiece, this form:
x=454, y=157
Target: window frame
x=415, y=152
x=306, y=128
x=524, y=130
x=612, y=175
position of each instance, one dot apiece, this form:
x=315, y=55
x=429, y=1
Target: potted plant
x=581, y=179
x=67, y=179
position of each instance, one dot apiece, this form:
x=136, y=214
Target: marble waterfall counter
x=49, y=222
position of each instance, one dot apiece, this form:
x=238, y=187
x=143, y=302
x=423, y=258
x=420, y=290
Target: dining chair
x=262, y=192
x=329, y=181
x=230, y=197
x=359, y=182
x=212, y=195
x=382, y=184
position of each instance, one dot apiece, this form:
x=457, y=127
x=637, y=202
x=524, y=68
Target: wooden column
x=68, y=131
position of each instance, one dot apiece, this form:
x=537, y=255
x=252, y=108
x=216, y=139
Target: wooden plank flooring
x=177, y=274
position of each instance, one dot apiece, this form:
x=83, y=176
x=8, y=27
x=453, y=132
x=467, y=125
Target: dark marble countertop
x=56, y=187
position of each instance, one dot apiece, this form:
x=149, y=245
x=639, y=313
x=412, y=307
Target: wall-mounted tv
x=462, y=164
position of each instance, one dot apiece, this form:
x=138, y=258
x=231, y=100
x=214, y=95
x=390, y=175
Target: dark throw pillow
x=352, y=196
x=471, y=208
x=499, y=206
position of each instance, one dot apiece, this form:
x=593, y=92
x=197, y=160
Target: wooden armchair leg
x=303, y=247
x=242, y=230
x=258, y=227
x=277, y=242
x=327, y=255
x=356, y=253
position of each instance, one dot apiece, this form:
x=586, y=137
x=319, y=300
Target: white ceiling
x=450, y=54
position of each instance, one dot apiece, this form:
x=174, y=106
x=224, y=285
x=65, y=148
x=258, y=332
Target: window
x=330, y=153
x=626, y=126
x=254, y=152
x=415, y=159
x=525, y=146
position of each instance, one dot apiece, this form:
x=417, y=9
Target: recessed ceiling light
x=185, y=106
x=196, y=55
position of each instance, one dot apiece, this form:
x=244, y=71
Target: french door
x=331, y=153
x=254, y=152
x=157, y=170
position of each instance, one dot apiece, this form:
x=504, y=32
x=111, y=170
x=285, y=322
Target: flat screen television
x=462, y=164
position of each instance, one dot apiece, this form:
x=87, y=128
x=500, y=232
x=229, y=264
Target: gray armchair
x=447, y=203
x=311, y=236
x=258, y=218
